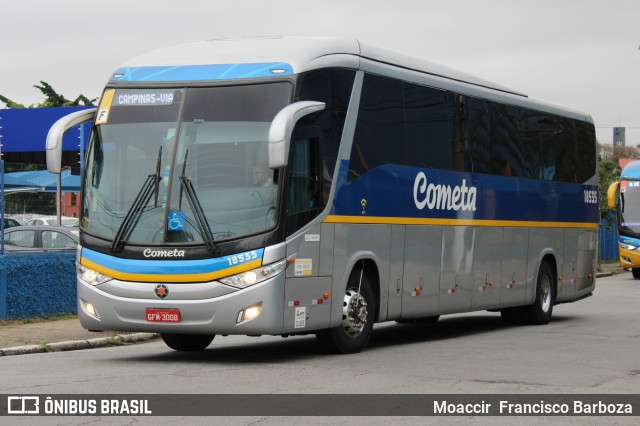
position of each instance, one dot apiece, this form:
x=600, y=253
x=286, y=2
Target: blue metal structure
x=25, y=130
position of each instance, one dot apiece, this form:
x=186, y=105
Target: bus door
x=309, y=280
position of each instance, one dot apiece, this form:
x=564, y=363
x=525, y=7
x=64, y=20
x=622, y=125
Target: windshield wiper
x=198, y=213
x=150, y=186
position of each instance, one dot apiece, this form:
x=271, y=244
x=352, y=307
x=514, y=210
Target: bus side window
x=304, y=192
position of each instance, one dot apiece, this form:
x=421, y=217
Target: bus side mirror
x=282, y=128
x=57, y=131
x=611, y=195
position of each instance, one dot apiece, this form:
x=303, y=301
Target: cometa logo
x=163, y=253
x=443, y=197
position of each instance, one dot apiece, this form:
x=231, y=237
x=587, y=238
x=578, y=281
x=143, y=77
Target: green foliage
x=609, y=173
x=9, y=103
x=52, y=99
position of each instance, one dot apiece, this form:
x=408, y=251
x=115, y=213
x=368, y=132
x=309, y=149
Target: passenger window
x=479, y=131
x=586, y=151
x=379, y=136
x=333, y=87
x=429, y=126
x=507, y=141
x=565, y=151
x=531, y=141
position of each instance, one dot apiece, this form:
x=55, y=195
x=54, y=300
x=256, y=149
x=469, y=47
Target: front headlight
x=627, y=246
x=255, y=276
x=90, y=276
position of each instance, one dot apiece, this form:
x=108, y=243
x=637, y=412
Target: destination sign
x=143, y=97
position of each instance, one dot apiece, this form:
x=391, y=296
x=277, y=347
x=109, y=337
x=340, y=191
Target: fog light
x=247, y=314
x=90, y=309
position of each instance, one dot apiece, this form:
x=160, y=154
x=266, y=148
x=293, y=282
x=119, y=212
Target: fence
x=608, y=239
x=37, y=285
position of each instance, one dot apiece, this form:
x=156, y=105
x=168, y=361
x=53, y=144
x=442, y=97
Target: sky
x=580, y=53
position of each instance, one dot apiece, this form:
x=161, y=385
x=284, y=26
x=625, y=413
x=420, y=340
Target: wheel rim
x=354, y=313
x=545, y=293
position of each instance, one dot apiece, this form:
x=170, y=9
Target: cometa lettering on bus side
x=443, y=197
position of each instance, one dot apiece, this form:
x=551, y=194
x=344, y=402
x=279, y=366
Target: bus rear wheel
x=358, y=315
x=539, y=312
x=187, y=342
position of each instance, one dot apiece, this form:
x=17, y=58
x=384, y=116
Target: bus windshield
x=189, y=165
x=630, y=206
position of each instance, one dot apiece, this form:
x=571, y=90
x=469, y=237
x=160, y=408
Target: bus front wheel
x=187, y=342
x=636, y=273
x=358, y=315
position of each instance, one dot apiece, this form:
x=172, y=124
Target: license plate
x=163, y=315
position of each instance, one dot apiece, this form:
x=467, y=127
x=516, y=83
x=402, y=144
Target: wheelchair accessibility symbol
x=176, y=221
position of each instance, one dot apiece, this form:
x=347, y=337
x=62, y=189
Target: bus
x=292, y=186
x=624, y=197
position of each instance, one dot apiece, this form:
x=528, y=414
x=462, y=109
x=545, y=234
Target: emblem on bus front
x=161, y=291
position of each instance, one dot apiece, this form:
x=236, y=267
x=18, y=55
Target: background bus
x=319, y=185
x=624, y=197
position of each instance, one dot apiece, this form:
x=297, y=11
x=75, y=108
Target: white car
x=52, y=220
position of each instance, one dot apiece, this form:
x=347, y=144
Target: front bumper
x=629, y=258
x=216, y=314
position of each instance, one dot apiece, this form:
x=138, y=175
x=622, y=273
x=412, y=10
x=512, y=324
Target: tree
x=52, y=99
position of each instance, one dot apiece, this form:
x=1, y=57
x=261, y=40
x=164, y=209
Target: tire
x=187, y=342
x=539, y=312
x=636, y=273
x=358, y=315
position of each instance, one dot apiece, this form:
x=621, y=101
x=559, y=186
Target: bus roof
x=255, y=57
x=300, y=53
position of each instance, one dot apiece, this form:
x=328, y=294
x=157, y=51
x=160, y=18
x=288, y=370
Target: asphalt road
x=590, y=347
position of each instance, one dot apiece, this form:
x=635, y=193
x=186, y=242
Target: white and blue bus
x=289, y=186
x=624, y=197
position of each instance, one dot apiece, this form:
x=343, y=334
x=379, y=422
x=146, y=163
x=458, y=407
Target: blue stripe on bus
x=410, y=192
x=629, y=240
x=168, y=267
x=202, y=72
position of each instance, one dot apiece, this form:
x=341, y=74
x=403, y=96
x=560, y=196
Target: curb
x=610, y=273
x=73, y=345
